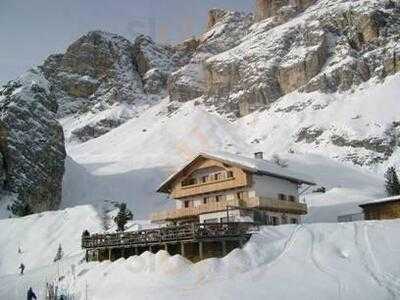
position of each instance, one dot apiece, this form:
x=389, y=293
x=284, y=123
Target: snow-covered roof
x=253, y=165
x=382, y=200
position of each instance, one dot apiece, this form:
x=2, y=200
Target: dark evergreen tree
x=59, y=254
x=20, y=208
x=392, y=183
x=123, y=216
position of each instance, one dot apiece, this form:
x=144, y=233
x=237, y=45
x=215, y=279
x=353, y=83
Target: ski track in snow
x=387, y=279
x=371, y=267
x=324, y=269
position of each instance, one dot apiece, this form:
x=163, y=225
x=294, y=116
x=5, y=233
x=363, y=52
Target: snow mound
x=313, y=261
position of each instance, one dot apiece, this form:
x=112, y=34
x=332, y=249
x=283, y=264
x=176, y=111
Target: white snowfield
x=313, y=261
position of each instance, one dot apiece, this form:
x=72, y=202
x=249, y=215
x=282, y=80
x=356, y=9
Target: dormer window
x=292, y=198
x=281, y=196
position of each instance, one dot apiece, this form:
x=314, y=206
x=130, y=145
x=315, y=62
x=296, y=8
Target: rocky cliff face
x=314, y=45
x=104, y=80
x=31, y=143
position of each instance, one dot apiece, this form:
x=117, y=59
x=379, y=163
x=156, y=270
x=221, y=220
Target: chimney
x=259, y=155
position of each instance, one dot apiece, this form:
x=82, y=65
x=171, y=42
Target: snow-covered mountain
x=313, y=81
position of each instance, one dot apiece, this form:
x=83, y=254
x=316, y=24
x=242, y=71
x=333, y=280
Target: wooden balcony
x=188, y=212
x=277, y=205
x=255, y=202
x=239, y=179
x=186, y=232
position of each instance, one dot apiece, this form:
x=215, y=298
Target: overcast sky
x=30, y=30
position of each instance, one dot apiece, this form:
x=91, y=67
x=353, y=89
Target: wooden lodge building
x=220, y=200
x=381, y=209
x=225, y=187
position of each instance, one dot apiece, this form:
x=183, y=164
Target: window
x=292, y=198
x=229, y=174
x=217, y=176
x=204, y=179
x=218, y=198
x=186, y=203
x=189, y=181
x=275, y=221
x=282, y=197
x=205, y=200
x=293, y=221
x=240, y=195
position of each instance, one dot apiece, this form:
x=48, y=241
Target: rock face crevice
x=31, y=143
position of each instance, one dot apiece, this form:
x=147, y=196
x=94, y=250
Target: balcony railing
x=195, y=211
x=193, y=232
x=254, y=202
x=277, y=205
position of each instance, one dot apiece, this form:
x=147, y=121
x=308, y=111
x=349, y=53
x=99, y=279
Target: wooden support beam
x=136, y=251
x=183, y=249
x=109, y=254
x=166, y=247
x=150, y=248
x=201, y=250
x=223, y=242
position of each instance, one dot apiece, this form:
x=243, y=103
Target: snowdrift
x=313, y=261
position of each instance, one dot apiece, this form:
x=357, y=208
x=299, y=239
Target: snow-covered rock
x=31, y=143
x=96, y=74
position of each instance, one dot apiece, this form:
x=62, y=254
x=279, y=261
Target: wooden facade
x=238, y=179
x=382, y=210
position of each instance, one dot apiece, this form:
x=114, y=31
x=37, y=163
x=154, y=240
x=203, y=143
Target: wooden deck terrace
x=193, y=241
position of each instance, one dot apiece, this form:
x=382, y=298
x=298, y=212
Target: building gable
x=205, y=175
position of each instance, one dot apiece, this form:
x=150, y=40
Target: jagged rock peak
x=270, y=8
x=31, y=143
x=214, y=16
x=98, y=67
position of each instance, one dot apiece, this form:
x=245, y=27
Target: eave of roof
x=380, y=201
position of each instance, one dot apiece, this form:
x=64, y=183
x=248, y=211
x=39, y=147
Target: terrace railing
x=187, y=232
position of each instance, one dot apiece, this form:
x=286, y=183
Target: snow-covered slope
x=129, y=162
x=315, y=261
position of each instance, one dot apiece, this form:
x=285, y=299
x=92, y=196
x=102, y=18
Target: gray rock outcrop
x=31, y=143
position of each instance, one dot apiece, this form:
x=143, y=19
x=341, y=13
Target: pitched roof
x=382, y=200
x=253, y=165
